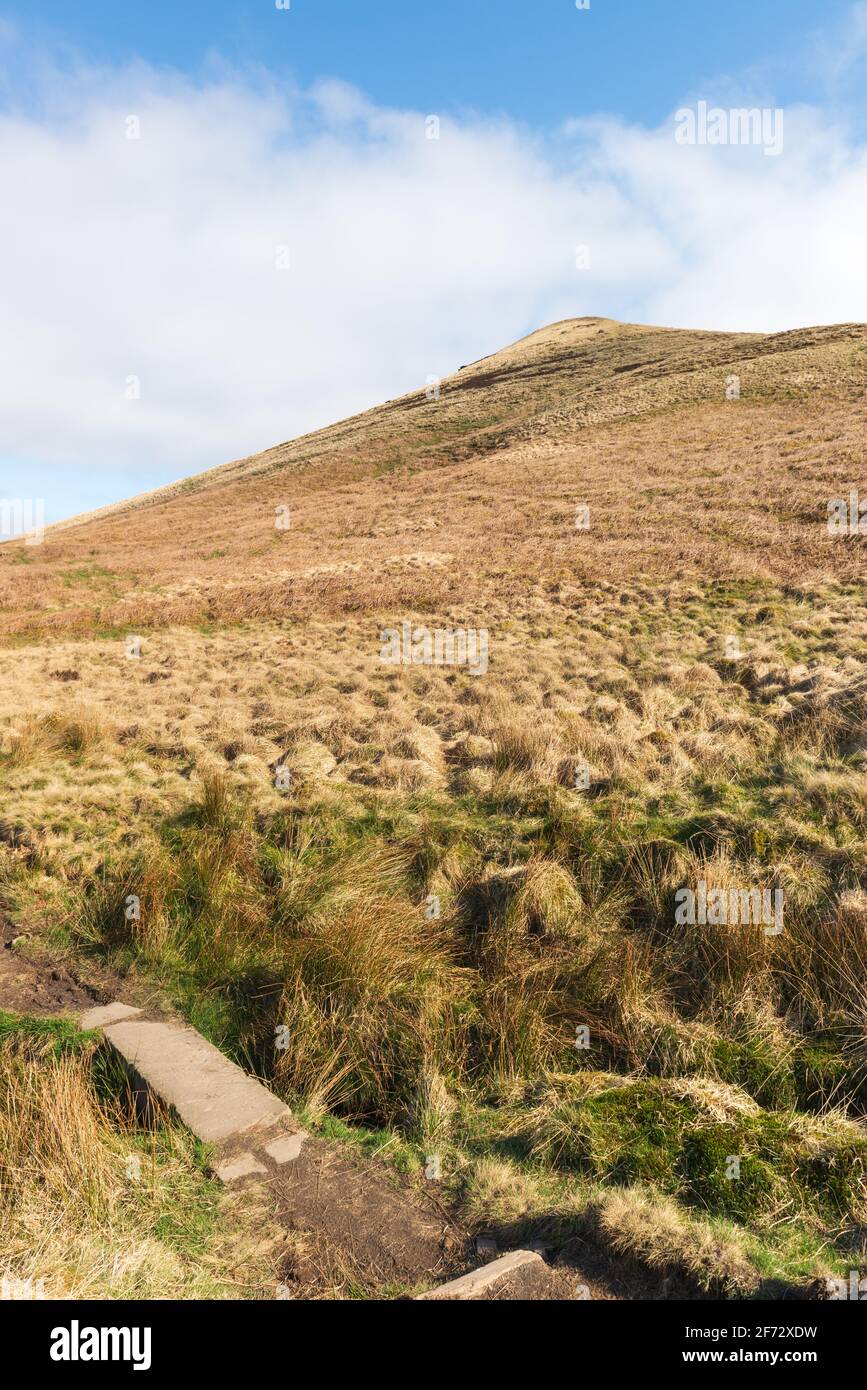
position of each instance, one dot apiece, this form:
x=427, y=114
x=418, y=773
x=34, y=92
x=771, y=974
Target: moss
x=629, y=1134
x=834, y=1181
x=643, y=1133
x=822, y=1075
x=740, y=1189
x=758, y=1067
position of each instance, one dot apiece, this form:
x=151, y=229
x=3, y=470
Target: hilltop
x=472, y=494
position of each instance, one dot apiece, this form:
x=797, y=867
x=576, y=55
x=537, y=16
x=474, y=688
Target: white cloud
x=156, y=257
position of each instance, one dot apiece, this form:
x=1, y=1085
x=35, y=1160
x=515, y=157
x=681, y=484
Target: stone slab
x=105, y=1014
x=244, y=1165
x=213, y=1097
x=482, y=1282
x=286, y=1149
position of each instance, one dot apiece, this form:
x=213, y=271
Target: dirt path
x=37, y=987
x=353, y=1226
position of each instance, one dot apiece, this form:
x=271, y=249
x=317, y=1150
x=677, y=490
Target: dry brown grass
x=90, y=1208
x=658, y=1234
x=426, y=504
x=607, y=648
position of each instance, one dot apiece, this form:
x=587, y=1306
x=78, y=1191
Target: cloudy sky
x=224, y=228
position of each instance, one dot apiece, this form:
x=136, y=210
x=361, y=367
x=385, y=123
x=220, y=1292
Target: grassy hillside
x=457, y=891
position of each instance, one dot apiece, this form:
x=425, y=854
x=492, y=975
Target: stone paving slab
x=244, y=1165
x=491, y=1280
x=285, y=1149
x=213, y=1097
x=105, y=1014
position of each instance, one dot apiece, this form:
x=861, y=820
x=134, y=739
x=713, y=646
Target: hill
x=430, y=737
x=391, y=506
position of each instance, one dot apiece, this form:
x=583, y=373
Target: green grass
x=456, y=1036
x=88, y=574
x=54, y=1035
x=238, y=935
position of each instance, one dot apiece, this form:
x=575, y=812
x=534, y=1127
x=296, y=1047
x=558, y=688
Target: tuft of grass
x=437, y=915
x=72, y=734
x=635, y=1223
x=91, y=1204
x=736, y=1161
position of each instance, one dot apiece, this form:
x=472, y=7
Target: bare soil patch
x=31, y=987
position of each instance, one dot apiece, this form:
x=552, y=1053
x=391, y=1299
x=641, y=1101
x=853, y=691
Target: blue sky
x=540, y=61
x=264, y=133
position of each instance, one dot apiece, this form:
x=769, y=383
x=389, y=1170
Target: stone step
x=319, y=1188
x=242, y=1165
x=213, y=1096
x=522, y=1274
x=105, y=1014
